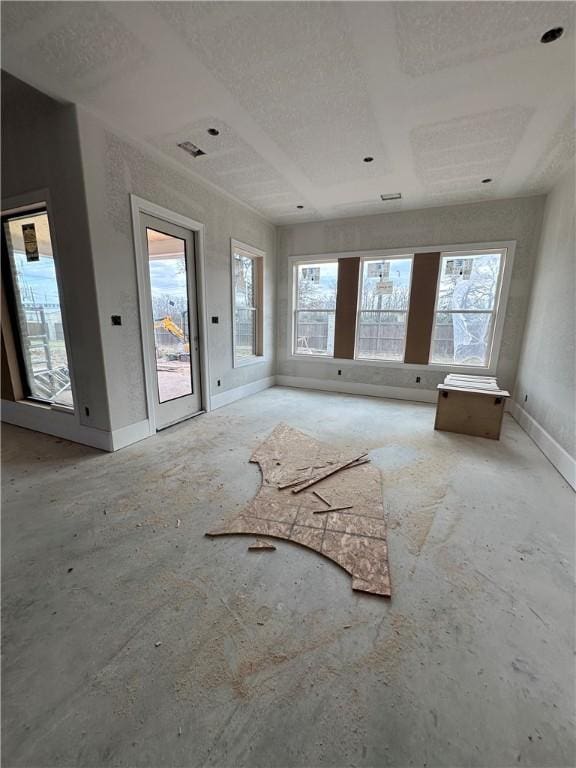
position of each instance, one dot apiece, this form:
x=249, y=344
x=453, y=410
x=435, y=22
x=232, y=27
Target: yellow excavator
x=169, y=325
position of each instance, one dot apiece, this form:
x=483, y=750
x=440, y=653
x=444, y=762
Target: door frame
x=138, y=206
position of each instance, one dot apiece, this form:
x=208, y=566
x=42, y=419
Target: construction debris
x=362, y=459
x=319, y=495
x=354, y=538
x=261, y=546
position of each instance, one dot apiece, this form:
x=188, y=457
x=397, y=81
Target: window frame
x=31, y=203
x=293, y=305
x=495, y=312
x=258, y=258
x=359, y=310
x=443, y=249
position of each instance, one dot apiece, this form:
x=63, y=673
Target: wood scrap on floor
x=322, y=498
x=354, y=538
x=332, y=471
x=261, y=546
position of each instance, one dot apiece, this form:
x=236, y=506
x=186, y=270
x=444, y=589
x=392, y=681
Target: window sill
x=254, y=360
x=432, y=367
x=46, y=406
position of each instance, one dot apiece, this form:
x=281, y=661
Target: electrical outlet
x=215, y=319
x=417, y=379
x=525, y=398
x=87, y=410
x=339, y=373
x=116, y=319
x=218, y=382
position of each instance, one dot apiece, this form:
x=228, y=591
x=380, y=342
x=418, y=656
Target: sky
x=39, y=276
x=167, y=277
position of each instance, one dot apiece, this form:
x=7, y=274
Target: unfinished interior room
x=288, y=384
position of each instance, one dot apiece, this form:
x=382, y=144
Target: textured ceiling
x=442, y=95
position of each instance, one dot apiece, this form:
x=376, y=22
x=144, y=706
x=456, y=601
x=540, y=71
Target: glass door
x=173, y=342
x=34, y=301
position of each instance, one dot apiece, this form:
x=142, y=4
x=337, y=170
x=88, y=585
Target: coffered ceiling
x=440, y=94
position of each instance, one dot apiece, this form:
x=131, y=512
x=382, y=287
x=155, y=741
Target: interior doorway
x=171, y=313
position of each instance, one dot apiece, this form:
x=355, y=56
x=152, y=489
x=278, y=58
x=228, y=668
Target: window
x=314, y=315
x=436, y=306
x=247, y=287
x=465, y=311
x=384, y=301
x=34, y=300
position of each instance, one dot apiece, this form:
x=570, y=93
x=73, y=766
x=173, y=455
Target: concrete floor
x=129, y=641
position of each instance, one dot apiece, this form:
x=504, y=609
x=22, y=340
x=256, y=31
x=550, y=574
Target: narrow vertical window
x=315, y=308
x=34, y=300
x=384, y=302
x=247, y=287
x=466, y=306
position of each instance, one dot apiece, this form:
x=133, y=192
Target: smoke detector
x=391, y=196
x=192, y=149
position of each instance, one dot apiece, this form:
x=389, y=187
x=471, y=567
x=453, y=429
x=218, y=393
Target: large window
x=466, y=305
x=384, y=301
x=432, y=306
x=33, y=297
x=247, y=277
x=315, y=308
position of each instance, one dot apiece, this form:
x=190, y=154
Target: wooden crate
x=470, y=411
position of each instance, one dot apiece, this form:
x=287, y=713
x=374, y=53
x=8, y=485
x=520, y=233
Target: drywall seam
x=354, y=388
x=556, y=455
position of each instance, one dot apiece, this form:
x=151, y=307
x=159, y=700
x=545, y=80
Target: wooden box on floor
x=470, y=411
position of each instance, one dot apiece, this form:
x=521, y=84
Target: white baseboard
x=230, y=395
x=556, y=455
x=133, y=433
x=54, y=422
x=354, y=388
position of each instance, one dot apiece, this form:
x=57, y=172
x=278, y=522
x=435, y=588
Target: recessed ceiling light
x=391, y=196
x=552, y=34
x=213, y=131
x=368, y=159
x=299, y=206
x=192, y=149
x=486, y=181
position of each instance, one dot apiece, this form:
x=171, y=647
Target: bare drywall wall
x=546, y=373
x=40, y=150
x=515, y=219
x=114, y=167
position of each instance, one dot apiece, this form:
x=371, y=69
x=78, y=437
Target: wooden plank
x=319, y=495
x=420, y=322
x=487, y=392
x=470, y=413
x=346, y=308
x=348, y=465
x=261, y=546
x=12, y=385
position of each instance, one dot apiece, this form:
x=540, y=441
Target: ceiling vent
x=192, y=149
x=392, y=196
